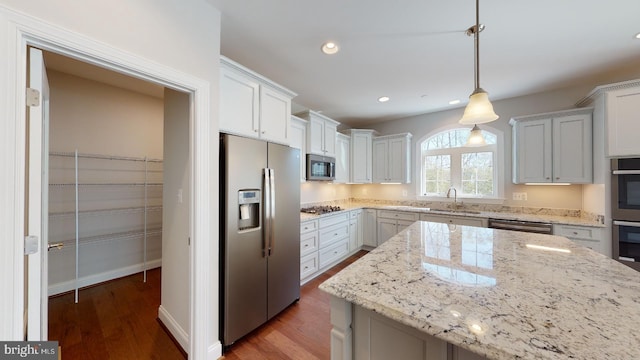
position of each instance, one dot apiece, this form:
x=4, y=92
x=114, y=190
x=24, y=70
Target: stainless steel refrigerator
x=259, y=233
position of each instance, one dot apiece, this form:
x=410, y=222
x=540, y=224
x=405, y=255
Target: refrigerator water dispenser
x=249, y=209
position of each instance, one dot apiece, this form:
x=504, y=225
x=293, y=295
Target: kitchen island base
x=359, y=333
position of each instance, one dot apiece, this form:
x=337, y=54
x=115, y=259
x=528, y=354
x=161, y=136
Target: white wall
x=174, y=302
x=176, y=36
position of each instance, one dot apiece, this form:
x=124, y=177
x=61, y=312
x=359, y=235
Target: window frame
x=499, y=149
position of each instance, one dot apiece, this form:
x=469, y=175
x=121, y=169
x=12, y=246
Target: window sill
x=466, y=200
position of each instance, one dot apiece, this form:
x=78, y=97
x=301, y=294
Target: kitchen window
x=445, y=162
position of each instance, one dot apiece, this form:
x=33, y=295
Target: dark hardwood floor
x=118, y=320
x=114, y=320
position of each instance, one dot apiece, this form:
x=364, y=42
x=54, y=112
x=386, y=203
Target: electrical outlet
x=520, y=196
x=404, y=192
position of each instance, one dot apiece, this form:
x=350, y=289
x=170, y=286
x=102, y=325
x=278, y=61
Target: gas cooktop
x=318, y=210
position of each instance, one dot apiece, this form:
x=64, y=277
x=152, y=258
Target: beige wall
x=97, y=118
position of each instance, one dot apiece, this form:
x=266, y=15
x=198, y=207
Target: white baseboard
x=62, y=287
x=215, y=351
x=178, y=332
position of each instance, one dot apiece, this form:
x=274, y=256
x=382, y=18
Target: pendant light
x=479, y=109
x=475, y=138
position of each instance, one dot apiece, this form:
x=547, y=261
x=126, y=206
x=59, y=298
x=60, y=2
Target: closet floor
x=113, y=320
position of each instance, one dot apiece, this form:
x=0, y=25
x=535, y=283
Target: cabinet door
x=380, y=161
x=403, y=224
x=239, y=104
x=342, y=159
x=397, y=160
x=572, y=149
x=330, y=131
x=622, y=125
x=275, y=114
x=298, y=140
x=370, y=228
x=361, y=158
x=360, y=225
x=386, y=229
x=353, y=235
x=315, y=136
x=532, y=162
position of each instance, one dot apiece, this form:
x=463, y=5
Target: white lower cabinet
x=586, y=236
x=323, y=243
x=363, y=334
x=455, y=220
x=392, y=222
x=356, y=235
x=370, y=227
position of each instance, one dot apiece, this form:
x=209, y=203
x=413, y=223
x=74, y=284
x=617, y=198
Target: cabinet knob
x=548, y=178
x=575, y=233
x=557, y=178
x=255, y=130
x=306, y=267
x=306, y=245
x=264, y=132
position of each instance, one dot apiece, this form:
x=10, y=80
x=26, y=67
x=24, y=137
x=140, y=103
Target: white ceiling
x=416, y=52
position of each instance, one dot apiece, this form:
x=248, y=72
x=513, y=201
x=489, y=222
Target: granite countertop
x=554, y=219
x=487, y=291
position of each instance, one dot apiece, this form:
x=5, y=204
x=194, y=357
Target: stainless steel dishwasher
x=524, y=226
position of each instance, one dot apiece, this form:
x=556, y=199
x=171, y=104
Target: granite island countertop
x=493, y=293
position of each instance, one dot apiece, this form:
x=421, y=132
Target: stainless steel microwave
x=321, y=167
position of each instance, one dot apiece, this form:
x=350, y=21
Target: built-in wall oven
x=625, y=210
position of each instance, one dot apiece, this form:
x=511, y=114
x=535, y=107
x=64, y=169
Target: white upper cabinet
x=342, y=158
x=553, y=147
x=252, y=105
x=321, y=133
x=392, y=159
x=621, y=107
x=361, y=155
x=298, y=140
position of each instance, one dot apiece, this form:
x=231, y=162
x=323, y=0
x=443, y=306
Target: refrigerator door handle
x=266, y=238
x=272, y=211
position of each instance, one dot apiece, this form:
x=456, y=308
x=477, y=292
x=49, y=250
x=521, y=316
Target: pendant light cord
x=476, y=38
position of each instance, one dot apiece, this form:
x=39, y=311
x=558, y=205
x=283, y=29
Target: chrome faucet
x=455, y=196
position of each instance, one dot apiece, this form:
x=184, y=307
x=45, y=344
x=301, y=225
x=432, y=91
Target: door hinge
x=33, y=97
x=189, y=241
x=30, y=245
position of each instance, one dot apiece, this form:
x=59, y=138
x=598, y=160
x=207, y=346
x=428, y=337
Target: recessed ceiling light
x=637, y=36
x=383, y=99
x=453, y=102
x=330, y=48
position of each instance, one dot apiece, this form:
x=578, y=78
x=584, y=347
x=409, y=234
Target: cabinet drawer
x=308, y=265
x=354, y=213
x=334, y=233
x=333, y=219
x=308, y=243
x=591, y=244
x=578, y=232
x=334, y=252
x=399, y=215
x=307, y=226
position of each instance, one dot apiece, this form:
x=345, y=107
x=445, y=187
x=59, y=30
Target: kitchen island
x=436, y=291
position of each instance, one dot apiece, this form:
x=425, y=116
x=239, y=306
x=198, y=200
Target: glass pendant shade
x=475, y=138
x=479, y=109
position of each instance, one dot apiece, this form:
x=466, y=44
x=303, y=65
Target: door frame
x=24, y=31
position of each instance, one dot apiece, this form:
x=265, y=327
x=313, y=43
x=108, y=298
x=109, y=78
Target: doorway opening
x=109, y=187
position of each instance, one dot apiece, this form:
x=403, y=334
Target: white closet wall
x=122, y=127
